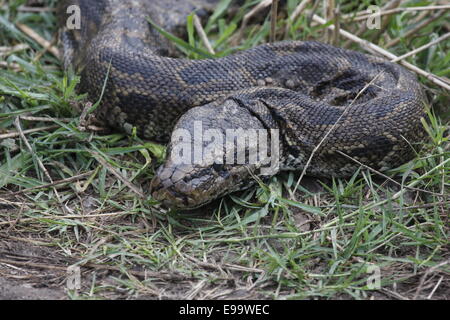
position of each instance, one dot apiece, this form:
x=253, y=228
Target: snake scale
x=341, y=108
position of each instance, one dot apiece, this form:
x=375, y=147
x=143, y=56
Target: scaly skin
x=368, y=108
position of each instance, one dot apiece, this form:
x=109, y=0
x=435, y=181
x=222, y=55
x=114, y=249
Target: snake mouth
x=168, y=195
x=187, y=187
x=177, y=193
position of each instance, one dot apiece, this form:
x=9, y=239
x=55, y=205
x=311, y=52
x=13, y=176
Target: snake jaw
x=165, y=187
x=188, y=187
x=175, y=186
x=168, y=196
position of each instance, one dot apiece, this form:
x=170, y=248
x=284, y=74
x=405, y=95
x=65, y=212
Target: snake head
x=214, y=150
x=189, y=186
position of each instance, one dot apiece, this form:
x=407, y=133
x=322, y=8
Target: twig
x=199, y=287
x=420, y=206
x=46, y=49
x=273, y=21
x=33, y=264
x=435, y=287
x=296, y=13
x=17, y=134
x=263, y=4
x=329, y=15
x=35, y=9
x=118, y=175
x=337, y=26
x=394, y=294
x=413, y=52
x=360, y=16
x=14, y=66
x=373, y=47
x=5, y=51
x=201, y=32
x=55, y=183
x=419, y=17
x=419, y=26
x=363, y=28
x=311, y=13
x=228, y=266
x=17, y=219
x=88, y=216
x=146, y=273
x=430, y=270
x=45, y=119
x=36, y=37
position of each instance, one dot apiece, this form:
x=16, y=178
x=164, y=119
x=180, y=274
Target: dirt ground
x=34, y=268
x=14, y=290
x=20, y=275
x=32, y=272
x=37, y=272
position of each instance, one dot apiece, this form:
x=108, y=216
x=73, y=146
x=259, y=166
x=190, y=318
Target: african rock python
x=355, y=107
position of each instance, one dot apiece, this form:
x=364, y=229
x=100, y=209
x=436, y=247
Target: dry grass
x=73, y=194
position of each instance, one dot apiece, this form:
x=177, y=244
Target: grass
x=70, y=196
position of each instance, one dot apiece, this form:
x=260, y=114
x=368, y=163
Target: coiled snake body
x=342, y=106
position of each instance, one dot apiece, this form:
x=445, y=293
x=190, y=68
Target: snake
x=233, y=121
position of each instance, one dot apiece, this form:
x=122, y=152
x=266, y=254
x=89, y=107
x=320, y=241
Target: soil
x=15, y=290
x=19, y=281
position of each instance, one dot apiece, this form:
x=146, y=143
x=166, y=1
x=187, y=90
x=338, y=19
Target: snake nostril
x=218, y=167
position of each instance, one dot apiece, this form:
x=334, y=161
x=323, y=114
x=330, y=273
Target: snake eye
x=217, y=167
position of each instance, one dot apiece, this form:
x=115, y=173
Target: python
x=341, y=107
